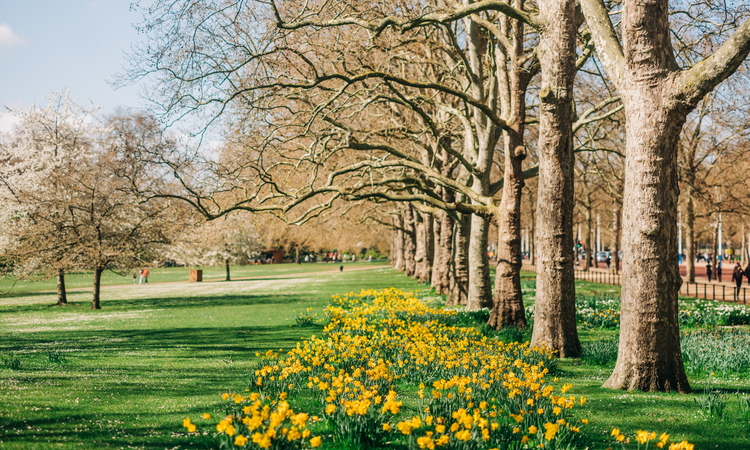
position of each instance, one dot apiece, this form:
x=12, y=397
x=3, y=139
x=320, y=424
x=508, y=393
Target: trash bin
x=196, y=275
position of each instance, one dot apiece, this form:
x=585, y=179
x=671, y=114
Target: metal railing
x=708, y=291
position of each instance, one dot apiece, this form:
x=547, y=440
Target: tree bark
x=428, y=245
x=419, y=255
x=437, y=229
x=480, y=293
x=398, y=242
x=616, y=227
x=62, y=296
x=95, y=304
x=555, y=307
x=690, y=235
x=459, y=274
x=443, y=254
x=532, y=229
x=226, y=264
x=410, y=245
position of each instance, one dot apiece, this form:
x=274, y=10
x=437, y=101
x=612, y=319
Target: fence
x=708, y=291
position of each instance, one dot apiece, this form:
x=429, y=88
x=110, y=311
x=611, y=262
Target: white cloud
x=8, y=38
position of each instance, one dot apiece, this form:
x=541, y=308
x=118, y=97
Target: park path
x=221, y=279
x=702, y=288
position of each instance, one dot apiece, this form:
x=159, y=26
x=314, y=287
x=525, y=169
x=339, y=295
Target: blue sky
x=50, y=45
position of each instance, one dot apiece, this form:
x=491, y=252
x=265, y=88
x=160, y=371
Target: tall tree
x=657, y=96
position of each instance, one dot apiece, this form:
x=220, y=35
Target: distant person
x=369, y=259
x=135, y=275
x=145, y=276
x=747, y=273
x=609, y=260
x=140, y=280
x=737, y=278
x=718, y=271
x=709, y=271
x=341, y=268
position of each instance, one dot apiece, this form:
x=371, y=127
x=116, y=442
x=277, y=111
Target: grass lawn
x=154, y=354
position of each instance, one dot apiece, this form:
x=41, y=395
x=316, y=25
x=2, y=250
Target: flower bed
x=474, y=392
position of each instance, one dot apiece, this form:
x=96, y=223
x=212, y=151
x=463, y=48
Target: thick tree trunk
x=97, y=287
x=616, y=227
x=62, y=296
x=689, y=237
x=507, y=307
x=437, y=229
x=459, y=274
x=649, y=357
x=657, y=96
x=443, y=254
x=398, y=243
x=419, y=254
x=226, y=265
x=480, y=293
x=410, y=245
x=555, y=307
x=428, y=248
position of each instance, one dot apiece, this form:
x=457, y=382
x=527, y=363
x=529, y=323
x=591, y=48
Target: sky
x=49, y=45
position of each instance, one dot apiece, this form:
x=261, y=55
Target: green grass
x=153, y=355
x=126, y=376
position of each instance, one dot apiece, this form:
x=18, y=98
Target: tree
x=657, y=95
x=66, y=201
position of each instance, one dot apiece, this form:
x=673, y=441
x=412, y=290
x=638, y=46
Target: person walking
x=140, y=279
x=747, y=273
x=135, y=275
x=145, y=276
x=709, y=271
x=737, y=278
x=718, y=271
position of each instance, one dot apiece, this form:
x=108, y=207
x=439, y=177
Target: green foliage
x=723, y=350
x=599, y=353
x=12, y=362
x=306, y=318
x=713, y=401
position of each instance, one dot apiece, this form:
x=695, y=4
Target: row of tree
x=435, y=106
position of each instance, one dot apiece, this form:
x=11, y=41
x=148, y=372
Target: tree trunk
x=419, y=256
x=715, y=249
x=459, y=276
x=657, y=96
x=616, y=227
x=532, y=229
x=296, y=257
x=587, y=254
x=437, y=229
x=226, y=264
x=443, y=254
x=689, y=237
x=62, y=296
x=398, y=243
x=410, y=245
x=507, y=307
x=480, y=294
x=97, y=287
x=428, y=239
x=555, y=307
x=649, y=357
